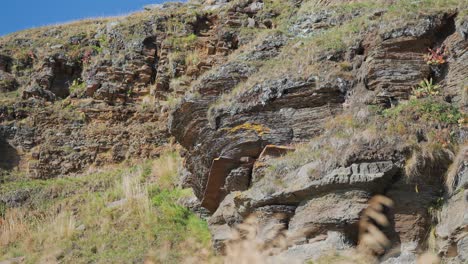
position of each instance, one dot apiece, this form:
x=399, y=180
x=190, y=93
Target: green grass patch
x=71, y=220
x=427, y=110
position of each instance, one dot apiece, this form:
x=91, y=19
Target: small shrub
x=192, y=58
x=182, y=43
x=436, y=57
x=346, y=66
x=426, y=88
x=77, y=86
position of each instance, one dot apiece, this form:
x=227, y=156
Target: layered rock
x=225, y=129
x=282, y=112
x=98, y=93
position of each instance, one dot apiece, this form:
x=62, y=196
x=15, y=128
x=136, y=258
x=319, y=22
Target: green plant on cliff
x=426, y=88
x=77, y=86
x=428, y=110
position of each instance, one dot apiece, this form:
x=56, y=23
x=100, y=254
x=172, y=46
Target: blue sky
x=22, y=14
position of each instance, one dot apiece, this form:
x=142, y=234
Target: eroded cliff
x=297, y=111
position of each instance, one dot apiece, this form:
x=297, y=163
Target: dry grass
x=13, y=226
x=425, y=157
x=249, y=245
x=343, y=136
x=134, y=213
x=166, y=169
x=135, y=193
x=56, y=227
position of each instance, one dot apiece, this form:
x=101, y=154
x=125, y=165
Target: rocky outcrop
x=56, y=75
x=253, y=123
x=130, y=71
x=394, y=62
x=453, y=227
x=299, y=185
x=98, y=93
x=225, y=129
x=295, y=112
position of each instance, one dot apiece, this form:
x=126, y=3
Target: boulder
x=338, y=211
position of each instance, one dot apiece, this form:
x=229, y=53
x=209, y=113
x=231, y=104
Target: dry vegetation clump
x=12, y=226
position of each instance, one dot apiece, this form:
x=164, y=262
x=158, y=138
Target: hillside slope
x=298, y=112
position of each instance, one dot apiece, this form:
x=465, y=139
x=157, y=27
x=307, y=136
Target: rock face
x=333, y=241
x=251, y=126
x=98, y=92
x=296, y=112
x=230, y=118
x=133, y=75
x=453, y=227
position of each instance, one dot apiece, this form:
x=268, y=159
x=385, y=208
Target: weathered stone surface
x=309, y=24
x=254, y=122
x=460, y=171
x=270, y=220
x=372, y=177
x=221, y=233
x=406, y=255
x=392, y=77
x=269, y=48
x=56, y=74
x=426, y=26
x=6, y=63
x=15, y=198
x=337, y=211
x=456, y=68
x=452, y=231
x=462, y=249
x=412, y=219
x=334, y=241
x=132, y=67
x=226, y=212
x=394, y=61
x=214, y=193
x=128, y=72
x=238, y=179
